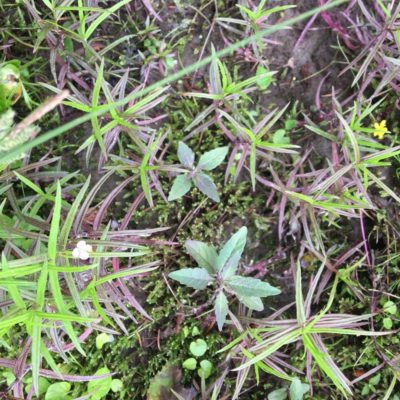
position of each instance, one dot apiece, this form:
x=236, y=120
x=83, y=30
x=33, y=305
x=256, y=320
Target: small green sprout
x=198, y=348
x=390, y=310
x=296, y=391
x=207, y=162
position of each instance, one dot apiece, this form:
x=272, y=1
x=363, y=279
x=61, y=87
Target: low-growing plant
x=198, y=348
x=253, y=19
x=226, y=90
x=306, y=329
x=296, y=391
x=221, y=270
x=39, y=288
x=207, y=162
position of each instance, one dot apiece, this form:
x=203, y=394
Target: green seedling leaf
x=180, y=187
x=195, y=331
x=211, y=159
x=196, y=278
x=278, y=394
x=252, y=302
x=116, y=385
x=58, y=391
x=221, y=309
x=290, y=124
x=365, y=391
x=265, y=77
x=205, y=369
x=10, y=377
x=387, y=323
x=390, y=307
x=205, y=256
x=102, y=339
x=249, y=287
x=206, y=186
x=100, y=387
x=185, y=155
x=44, y=384
x=198, y=347
x=298, y=389
x=375, y=380
x=190, y=363
x=279, y=137
x=235, y=245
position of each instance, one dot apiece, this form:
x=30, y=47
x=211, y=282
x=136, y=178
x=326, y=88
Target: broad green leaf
x=205, y=369
x=180, y=187
x=10, y=377
x=375, y=380
x=387, y=323
x=196, y=278
x=102, y=339
x=116, y=385
x=250, y=287
x=58, y=391
x=278, y=394
x=185, y=155
x=252, y=302
x=390, y=307
x=206, y=186
x=100, y=387
x=211, y=159
x=205, y=255
x=235, y=245
x=298, y=389
x=43, y=386
x=221, y=309
x=230, y=266
x=198, y=347
x=190, y=364
x=264, y=77
x=290, y=124
x=279, y=137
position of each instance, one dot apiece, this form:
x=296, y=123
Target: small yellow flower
x=380, y=129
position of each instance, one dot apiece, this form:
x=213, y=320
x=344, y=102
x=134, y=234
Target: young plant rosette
x=221, y=271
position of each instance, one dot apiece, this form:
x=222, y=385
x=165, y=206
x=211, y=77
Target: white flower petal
x=75, y=252
x=81, y=245
x=84, y=255
x=89, y=248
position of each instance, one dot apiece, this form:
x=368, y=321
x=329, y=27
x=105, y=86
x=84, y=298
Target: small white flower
x=82, y=250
